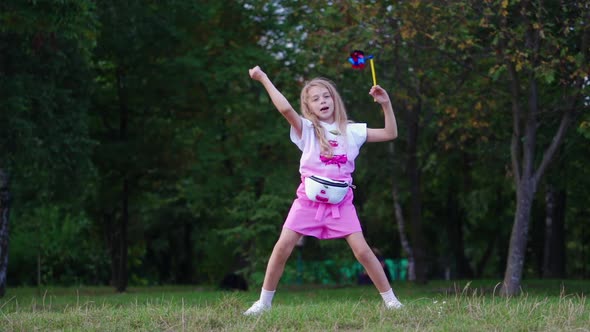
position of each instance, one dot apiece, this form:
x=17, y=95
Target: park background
x=135, y=149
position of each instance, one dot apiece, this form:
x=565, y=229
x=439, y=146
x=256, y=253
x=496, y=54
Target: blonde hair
x=340, y=116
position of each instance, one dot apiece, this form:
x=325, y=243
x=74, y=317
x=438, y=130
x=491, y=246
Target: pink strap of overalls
x=322, y=209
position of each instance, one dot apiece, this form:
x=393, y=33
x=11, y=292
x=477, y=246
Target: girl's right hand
x=256, y=73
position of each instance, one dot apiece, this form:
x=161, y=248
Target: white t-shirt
x=346, y=149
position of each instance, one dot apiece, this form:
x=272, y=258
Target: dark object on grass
x=233, y=281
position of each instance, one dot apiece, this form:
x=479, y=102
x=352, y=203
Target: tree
x=178, y=128
x=44, y=83
x=541, y=50
x=4, y=228
x=137, y=119
x=539, y=47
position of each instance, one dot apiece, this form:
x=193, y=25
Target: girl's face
x=321, y=103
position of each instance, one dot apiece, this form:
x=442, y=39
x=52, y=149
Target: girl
x=329, y=145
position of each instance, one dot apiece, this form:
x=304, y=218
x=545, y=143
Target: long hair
x=339, y=112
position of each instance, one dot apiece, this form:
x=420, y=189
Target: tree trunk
x=118, y=243
x=414, y=174
x=4, y=228
x=455, y=237
x=417, y=258
x=121, y=241
x=554, y=243
x=401, y=223
x=526, y=185
x=121, y=283
x=518, y=239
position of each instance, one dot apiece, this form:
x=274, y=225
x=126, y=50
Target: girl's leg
x=280, y=254
x=368, y=260
x=374, y=269
x=274, y=271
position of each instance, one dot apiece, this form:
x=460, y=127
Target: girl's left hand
x=379, y=94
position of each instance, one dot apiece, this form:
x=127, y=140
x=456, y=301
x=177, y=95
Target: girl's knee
x=283, y=249
x=363, y=255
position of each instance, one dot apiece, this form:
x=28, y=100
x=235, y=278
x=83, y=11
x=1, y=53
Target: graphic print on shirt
x=339, y=157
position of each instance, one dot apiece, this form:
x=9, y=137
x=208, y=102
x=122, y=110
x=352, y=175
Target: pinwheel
x=357, y=59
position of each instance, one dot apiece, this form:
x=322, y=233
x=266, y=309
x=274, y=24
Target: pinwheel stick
x=373, y=71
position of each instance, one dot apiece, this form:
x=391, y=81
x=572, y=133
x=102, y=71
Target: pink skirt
x=320, y=220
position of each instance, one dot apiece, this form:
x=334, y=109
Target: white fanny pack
x=323, y=190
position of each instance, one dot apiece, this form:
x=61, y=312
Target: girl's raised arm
x=280, y=102
x=389, y=132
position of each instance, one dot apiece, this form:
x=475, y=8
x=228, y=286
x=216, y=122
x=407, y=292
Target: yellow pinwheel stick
x=373, y=70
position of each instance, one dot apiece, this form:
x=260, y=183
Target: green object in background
x=398, y=268
x=393, y=267
x=403, y=270
x=328, y=272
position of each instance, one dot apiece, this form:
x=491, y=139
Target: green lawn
x=437, y=306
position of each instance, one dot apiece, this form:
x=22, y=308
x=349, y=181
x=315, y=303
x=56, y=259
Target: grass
x=437, y=306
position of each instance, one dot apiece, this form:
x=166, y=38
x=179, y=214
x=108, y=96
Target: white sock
x=266, y=296
x=389, y=296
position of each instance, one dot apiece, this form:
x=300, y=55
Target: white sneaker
x=395, y=304
x=257, y=309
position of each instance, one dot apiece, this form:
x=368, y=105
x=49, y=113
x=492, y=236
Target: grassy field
x=437, y=306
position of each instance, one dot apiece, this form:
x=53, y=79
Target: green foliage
x=208, y=161
x=45, y=83
x=584, y=128
x=64, y=246
x=253, y=227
